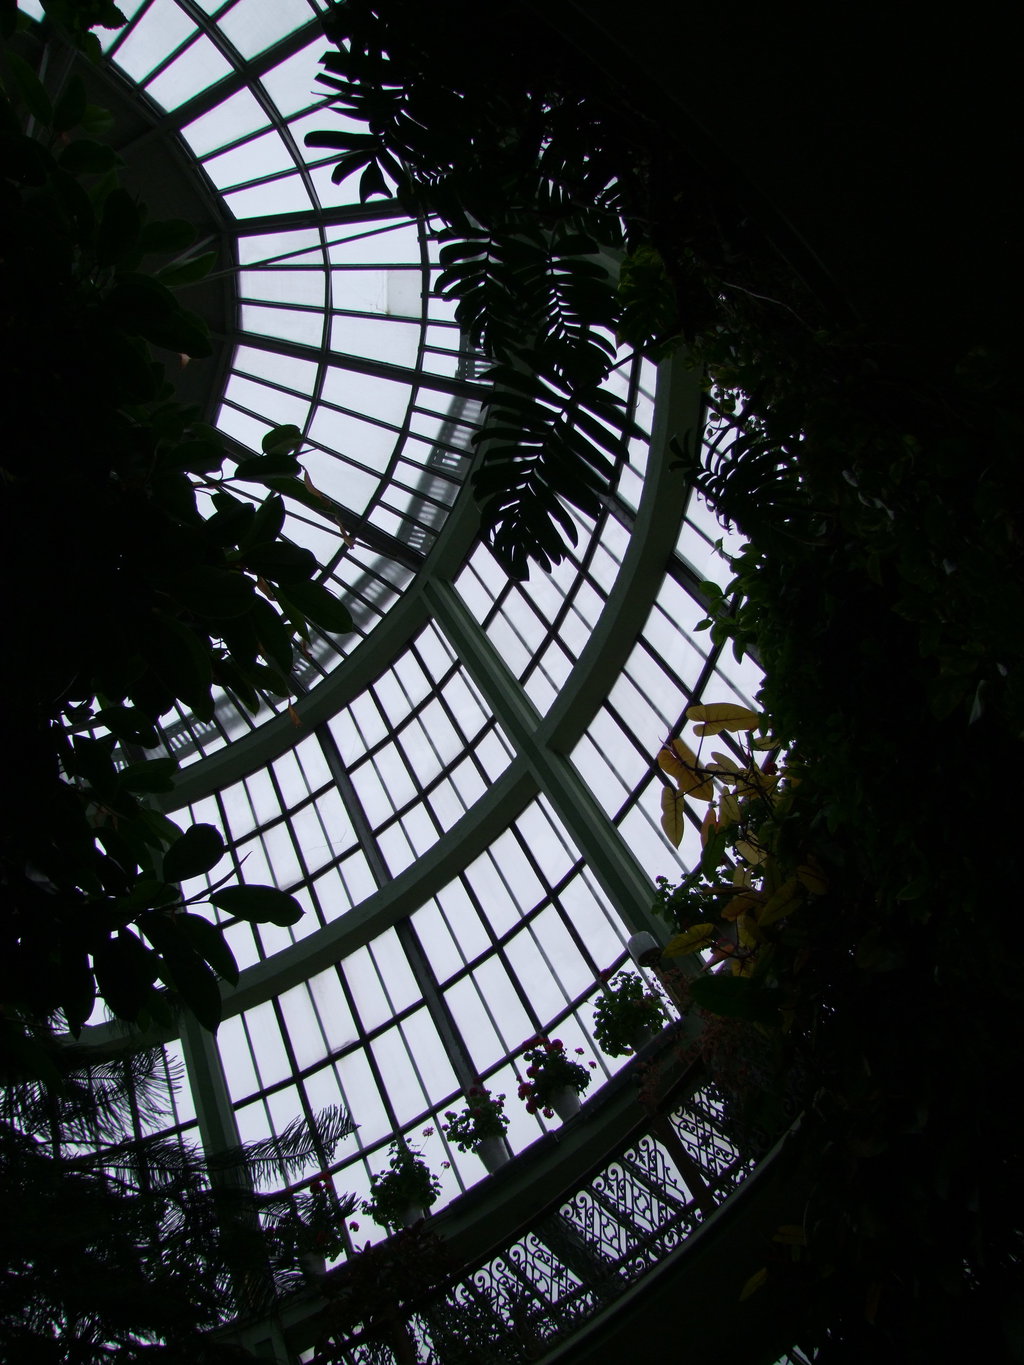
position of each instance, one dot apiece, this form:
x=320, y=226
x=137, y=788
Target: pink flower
x=353, y=1227
x=531, y=1108
x=428, y=1132
x=579, y=1052
x=531, y=1071
x=592, y=1065
x=446, y=1165
x=549, y=1113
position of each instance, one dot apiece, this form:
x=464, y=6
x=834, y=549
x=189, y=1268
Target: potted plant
x=627, y=1013
x=315, y=1232
x=480, y=1127
x=401, y=1195
x=554, y=1081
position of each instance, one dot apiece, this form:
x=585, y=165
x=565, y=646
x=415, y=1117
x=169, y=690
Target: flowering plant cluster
x=318, y=1223
x=483, y=1117
x=407, y=1183
x=625, y=1011
x=549, y=1069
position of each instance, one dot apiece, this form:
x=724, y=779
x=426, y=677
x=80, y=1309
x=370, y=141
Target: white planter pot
x=312, y=1265
x=565, y=1103
x=492, y=1152
x=412, y=1215
x=643, y=1036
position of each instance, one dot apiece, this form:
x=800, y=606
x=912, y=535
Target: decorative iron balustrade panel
x=575, y=1260
x=699, y=1126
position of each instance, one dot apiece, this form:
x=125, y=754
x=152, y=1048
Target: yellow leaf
x=810, y=875
x=672, y=815
x=725, y=762
x=748, y=932
x=692, y=941
x=765, y=742
x=708, y=824
x=787, y=899
x=791, y=1234
x=754, y=1283
x=742, y=876
x=739, y=905
x=680, y=762
x=676, y=758
x=751, y=852
x=729, y=808
x=698, y=786
x=723, y=715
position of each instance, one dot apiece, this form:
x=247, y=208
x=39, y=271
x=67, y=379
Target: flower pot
x=565, y=1103
x=641, y=1036
x=492, y=1152
x=412, y=1214
x=312, y=1265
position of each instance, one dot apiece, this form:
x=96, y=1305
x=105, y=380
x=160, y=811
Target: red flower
x=531, y=1108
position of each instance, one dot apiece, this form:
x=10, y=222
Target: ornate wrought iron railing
x=577, y=1256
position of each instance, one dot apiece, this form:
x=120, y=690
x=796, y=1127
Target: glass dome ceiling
x=464, y=798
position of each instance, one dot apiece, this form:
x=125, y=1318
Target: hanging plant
x=549, y=1072
x=407, y=1184
x=484, y=1117
x=626, y=1014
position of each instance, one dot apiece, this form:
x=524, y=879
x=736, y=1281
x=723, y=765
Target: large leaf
x=723, y=716
x=283, y=440
x=149, y=775
x=125, y=971
x=694, y=940
x=183, y=969
x=198, y=850
x=209, y=941
x=673, y=815
x=736, y=997
x=316, y=604
x=258, y=904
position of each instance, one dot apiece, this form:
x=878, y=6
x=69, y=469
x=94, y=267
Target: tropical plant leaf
x=695, y=940
x=258, y=904
x=723, y=716
x=198, y=850
x=673, y=815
